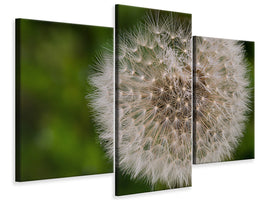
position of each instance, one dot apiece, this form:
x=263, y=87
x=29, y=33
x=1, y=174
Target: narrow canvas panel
x=153, y=100
x=58, y=84
x=223, y=100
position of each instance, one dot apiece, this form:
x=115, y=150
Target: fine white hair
x=155, y=76
x=222, y=98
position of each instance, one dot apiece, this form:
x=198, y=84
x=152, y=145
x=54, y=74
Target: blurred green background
x=55, y=133
x=245, y=149
x=126, y=18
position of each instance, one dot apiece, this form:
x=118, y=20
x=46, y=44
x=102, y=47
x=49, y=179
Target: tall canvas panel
x=153, y=100
x=223, y=100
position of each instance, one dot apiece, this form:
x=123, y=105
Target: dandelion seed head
x=222, y=98
x=161, y=152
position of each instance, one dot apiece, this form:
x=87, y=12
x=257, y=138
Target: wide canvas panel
x=153, y=100
x=223, y=100
x=59, y=72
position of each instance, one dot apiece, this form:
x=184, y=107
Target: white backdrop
x=243, y=20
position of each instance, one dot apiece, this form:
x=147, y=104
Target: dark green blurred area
x=126, y=18
x=55, y=133
x=245, y=149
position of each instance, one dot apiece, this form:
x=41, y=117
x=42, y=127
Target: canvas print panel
x=153, y=104
x=223, y=100
x=58, y=131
